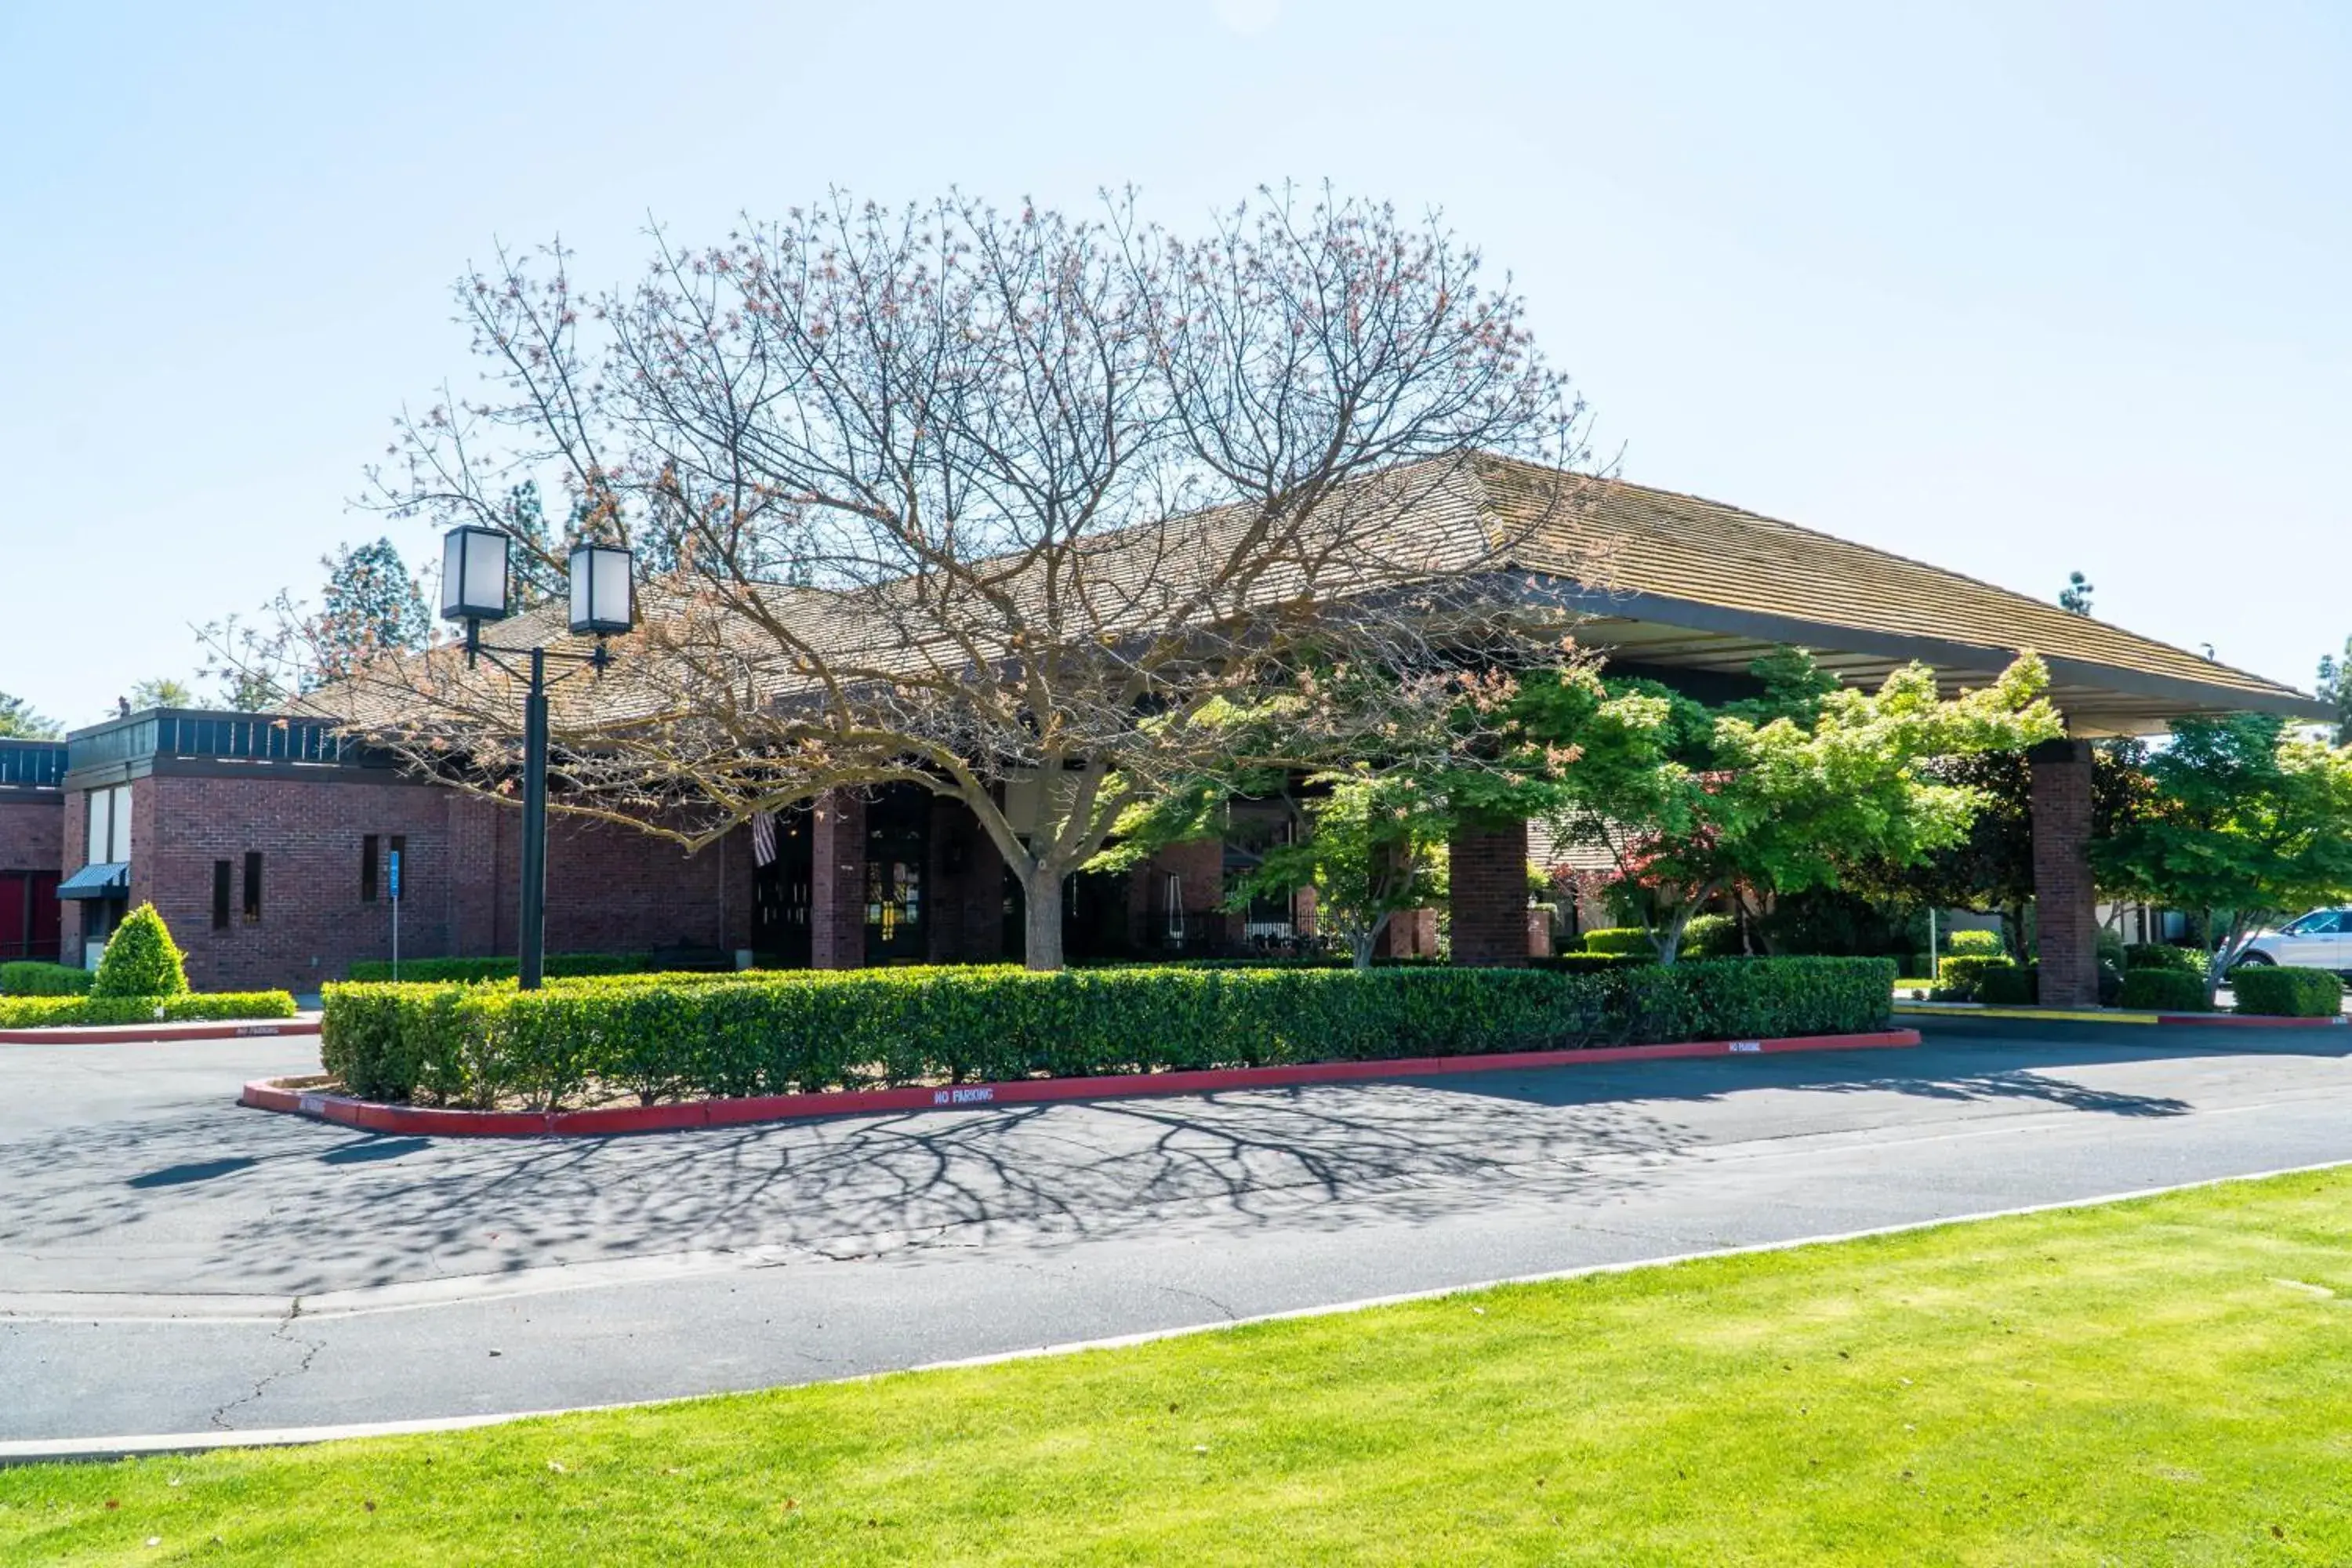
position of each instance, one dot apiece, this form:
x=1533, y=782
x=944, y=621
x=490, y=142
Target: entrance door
x=780, y=895
x=897, y=848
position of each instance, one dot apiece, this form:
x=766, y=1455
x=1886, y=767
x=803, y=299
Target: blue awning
x=103, y=879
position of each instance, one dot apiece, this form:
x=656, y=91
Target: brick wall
x=966, y=878
x=2065, y=908
x=610, y=888
x=1487, y=882
x=838, y=881
x=30, y=835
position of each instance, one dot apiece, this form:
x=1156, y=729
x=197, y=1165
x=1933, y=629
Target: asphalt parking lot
x=170, y=1262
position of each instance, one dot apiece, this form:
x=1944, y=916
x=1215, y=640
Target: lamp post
x=476, y=586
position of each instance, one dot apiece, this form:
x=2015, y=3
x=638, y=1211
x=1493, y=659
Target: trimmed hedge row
x=41, y=1012
x=2165, y=991
x=801, y=1031
x=2287, y=993
x=559, y=966
x=30, y=979
x=2164, y=955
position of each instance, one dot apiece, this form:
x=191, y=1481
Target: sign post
x=392, y=869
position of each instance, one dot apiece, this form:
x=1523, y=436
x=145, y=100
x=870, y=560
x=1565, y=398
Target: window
x=252, y=886
x=367, y=868
x=220, y=895
x=110, y=825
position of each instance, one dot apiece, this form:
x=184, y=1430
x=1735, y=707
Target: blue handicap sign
x=392, y=868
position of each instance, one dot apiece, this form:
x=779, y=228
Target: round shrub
x=140, y=959
x=1974, y=944
x=2285, y=993
x=1959, y=977
x=2164, y=955
x=1711, y=936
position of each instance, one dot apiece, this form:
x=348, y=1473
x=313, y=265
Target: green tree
x=370, y=607
x=1784, y=793
x=1991, y=869
x=2074, y=599
x=164, y=692
x=1376, y=846
x=19, y=722
x=2245, y=823
x=2335, y=688
x=140, y=959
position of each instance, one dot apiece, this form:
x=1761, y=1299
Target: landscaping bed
x=660, y=1040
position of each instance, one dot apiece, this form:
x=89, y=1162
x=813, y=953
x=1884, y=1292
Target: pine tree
x=370, y=607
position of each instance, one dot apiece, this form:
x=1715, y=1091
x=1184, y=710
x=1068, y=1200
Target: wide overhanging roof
x=1680, y=582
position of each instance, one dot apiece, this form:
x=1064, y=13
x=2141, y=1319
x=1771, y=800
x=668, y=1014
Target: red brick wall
x=966, y=888
x=2065, y=905
x=30, y=839
x=1487, y=882
x=610, y=888
x=838, y=881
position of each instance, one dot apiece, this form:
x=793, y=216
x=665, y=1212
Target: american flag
x=763, y=837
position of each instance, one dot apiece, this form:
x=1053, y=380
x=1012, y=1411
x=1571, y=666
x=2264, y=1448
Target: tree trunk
x=1042, y=920
x=1362, y=944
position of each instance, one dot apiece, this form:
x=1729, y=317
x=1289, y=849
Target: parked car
x=2320, y=940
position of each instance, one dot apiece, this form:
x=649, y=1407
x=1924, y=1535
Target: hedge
x=1620, y=940
x=2285, y=993
x=140, y=959
x=41, y=1012
x=2163, y=956
x=1974, y=944
x=2007, y=985
x=29, y=979
x=1959, y=977
x=2165, y=991
x=558, y=965
x=808, y=1030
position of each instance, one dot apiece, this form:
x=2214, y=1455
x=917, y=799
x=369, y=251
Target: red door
x=28, y=915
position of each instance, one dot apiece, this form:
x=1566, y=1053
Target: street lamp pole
x=476, y=586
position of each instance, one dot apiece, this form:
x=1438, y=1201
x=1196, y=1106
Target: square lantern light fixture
x=474, y=573
x=603, y=601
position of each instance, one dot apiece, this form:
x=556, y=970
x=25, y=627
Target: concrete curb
x=144, y=1034
x=2114, y=1016
x=264, y=1094
x=63, y=1450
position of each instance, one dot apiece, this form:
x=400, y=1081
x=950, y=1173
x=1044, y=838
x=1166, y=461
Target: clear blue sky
x=2018, y=289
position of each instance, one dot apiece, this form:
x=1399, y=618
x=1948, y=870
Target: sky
x=2017, y=288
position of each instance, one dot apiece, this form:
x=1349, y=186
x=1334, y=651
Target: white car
x=2320, y=940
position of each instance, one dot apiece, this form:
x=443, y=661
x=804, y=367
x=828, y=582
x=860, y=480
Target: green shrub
x=140, y=959
x=2285, y=993
x=807, y=1030
x=2164, y=955
x=1958, y=977
x=41, y=1012
x=1710, y=936
x=2007, y=985
x=558, y=965
x=1590, y=963
x=1974, y=944
x=43, y=980
x=2165, y=991
x=1620, y=940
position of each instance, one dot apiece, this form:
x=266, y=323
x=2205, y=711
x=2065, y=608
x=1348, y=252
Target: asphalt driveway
x=170, y=1262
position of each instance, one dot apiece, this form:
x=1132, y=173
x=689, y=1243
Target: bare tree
x=1017, y=506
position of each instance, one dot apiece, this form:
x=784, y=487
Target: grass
x=2167, y=1381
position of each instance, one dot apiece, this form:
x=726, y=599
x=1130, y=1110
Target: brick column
x=838, y=881
x=1488, y=895
x=966, y=895
x=2066, y=918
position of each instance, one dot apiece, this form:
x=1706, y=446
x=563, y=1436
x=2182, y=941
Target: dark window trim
x=368, y=843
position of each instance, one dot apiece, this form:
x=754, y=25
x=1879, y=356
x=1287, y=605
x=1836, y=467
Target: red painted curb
x=134, y=1034
x=2247, y=1021
x=430, y=1121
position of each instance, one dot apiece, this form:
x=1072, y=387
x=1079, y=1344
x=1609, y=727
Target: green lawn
x=2165, y=1381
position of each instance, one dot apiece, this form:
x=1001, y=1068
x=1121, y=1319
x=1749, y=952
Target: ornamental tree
x=18, y=721
x=1374, y=845
x=975, y=500
x=1779, y=793
x=2245, y=823
x=140, y=959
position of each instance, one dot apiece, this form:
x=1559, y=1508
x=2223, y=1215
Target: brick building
x=266, y=842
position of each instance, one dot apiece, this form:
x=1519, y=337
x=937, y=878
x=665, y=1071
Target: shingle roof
x=1680, y=564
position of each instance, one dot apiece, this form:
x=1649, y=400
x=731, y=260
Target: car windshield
x=2319, y=923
